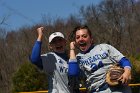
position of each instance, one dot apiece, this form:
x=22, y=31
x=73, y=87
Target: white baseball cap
x=55, y=34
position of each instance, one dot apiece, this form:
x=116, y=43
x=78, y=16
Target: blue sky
x=20, y=13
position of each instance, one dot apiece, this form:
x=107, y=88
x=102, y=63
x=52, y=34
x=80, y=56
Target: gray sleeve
x=49, y=63
x=114, y=53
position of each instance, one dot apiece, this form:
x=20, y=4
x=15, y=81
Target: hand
x=72, y=52
x=72, y=45
x=126, y=76
x=40, y=31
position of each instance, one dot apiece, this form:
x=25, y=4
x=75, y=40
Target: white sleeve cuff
x=127, y=67
x=72, y=60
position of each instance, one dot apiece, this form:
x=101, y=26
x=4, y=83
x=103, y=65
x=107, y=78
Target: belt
x=101, y=88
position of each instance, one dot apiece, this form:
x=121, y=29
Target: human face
x=58, y=45
x=83, y=39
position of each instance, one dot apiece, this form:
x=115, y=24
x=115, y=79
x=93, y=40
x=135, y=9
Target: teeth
x=82, y=43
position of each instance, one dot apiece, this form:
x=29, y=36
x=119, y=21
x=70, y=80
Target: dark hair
x=73, y=33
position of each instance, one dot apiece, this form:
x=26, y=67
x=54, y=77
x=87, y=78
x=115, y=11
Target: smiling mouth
x=59, y=47
x=82, y=44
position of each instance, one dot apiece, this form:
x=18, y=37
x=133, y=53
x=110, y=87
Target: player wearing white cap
x=95, y=60
x=54, y=63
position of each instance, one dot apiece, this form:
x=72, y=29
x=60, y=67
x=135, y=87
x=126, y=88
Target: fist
x=40, y=31
x=72, y=45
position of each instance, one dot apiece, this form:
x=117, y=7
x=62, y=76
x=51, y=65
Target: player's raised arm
x=73, y=69
x=36, y=51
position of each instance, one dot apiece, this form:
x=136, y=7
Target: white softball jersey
x=96, y=62
x=56, y=68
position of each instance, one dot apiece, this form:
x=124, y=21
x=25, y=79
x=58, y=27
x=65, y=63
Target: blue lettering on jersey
x=94, y=67
x=60, y=61
x=63, y=69
x=100, y=64
x=94, y=62
x=93, y=59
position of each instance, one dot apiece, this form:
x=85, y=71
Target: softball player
x=54, y=63
x=94, y=61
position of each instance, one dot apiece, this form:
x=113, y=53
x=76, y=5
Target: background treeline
x=116, y=22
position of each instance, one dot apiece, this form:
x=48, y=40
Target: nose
x=81, y=38
x=57, y=42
